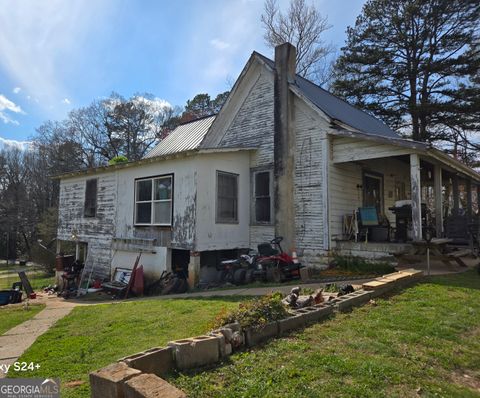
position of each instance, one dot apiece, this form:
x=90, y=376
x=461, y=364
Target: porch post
x=469, y=198
x=416, y=196
x=456, y=194
x=437, y=182
x=77, y=250
x=59, y=246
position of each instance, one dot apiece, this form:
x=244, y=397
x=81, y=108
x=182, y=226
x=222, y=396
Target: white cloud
x=219, y=44
x=66, y=101
x=40, y=40
x=22, y=145
x=157, y=105
x=8, y=106
x=16, y=90
x=205, y=61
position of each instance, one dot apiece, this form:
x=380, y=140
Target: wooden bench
x=457, y=256
x=438, y=252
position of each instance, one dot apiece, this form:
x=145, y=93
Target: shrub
x=255, y=313
x=118, y=159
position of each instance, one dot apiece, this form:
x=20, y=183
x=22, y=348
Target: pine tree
x=413, y=64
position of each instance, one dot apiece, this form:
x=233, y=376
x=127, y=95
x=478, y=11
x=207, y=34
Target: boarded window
x=227, y=197
x=263, y=198
x=90, y=205
x=153, y=201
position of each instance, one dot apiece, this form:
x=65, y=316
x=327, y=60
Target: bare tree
x=302, y=26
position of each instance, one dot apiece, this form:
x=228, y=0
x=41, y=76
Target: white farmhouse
x=283, y=157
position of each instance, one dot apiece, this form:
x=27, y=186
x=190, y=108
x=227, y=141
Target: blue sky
x=57, y=55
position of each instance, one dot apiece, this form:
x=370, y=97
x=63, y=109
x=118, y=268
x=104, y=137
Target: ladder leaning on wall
x=87, y=270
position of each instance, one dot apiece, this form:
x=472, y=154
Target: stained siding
x=252, y=126
x=253, y=123
x=260, y=234
x=309, y=182
x=350, y=149
x=97, y=231
x=346, y=192
x=212, y=235
x=181, y=234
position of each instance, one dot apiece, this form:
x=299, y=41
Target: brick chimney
x=284, y=145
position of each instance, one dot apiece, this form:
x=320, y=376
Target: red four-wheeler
x=273, y=264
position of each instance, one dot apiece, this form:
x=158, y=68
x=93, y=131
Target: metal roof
x=337, y=108
x=185, y=137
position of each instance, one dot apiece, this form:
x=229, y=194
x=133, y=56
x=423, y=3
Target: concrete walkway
x=15, y=341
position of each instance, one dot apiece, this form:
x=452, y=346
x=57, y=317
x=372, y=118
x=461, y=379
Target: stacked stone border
x=140, y=375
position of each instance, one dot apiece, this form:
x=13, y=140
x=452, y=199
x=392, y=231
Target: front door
x=373, y=191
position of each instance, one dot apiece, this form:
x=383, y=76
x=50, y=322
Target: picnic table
x=439, y=251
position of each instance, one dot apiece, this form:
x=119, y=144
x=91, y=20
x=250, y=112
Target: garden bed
x=424, y=341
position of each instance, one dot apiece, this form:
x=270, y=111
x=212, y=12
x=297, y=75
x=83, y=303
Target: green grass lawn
x=422, y=342
x=37, y=279
x=13, y=316
x=94, y=336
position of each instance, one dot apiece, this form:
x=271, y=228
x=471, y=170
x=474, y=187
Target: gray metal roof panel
x=185, y=137
x=339, y=109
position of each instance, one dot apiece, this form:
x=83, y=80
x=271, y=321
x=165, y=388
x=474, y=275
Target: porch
x=415, y=190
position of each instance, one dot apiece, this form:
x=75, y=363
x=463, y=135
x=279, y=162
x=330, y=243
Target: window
x=227, y=197
x=262, y=196
x=153, y=201
x=90, y=204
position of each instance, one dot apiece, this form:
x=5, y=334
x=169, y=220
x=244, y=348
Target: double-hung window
x=153, y=201
x=227, y=197
x=262, y=197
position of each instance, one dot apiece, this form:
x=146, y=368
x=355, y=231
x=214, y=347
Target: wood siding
x=97, y=231
x=253, y=124
x=352, y=149
x=346, y=184
x=310, y=196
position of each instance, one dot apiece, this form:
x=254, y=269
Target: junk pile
x=72, y=272
x=331, y=291
x=128, y=282
x=295, y=300
x=168, y=283
x=15, y=294
x=51, y=289
x=10, y=296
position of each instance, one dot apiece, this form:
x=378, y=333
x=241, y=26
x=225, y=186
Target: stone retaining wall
x=140, y=375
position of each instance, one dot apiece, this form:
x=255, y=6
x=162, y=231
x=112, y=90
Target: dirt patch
x=472, y=333
x=74, y=383
x=466, y=379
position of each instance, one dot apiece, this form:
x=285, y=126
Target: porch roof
x=349, y=148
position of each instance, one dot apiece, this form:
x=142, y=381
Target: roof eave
x=153, y=159
x=342, y=132
x=453, y=163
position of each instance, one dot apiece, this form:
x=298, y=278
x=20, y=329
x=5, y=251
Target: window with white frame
x=262, y=196
x=227, y=197
x=153, y=201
